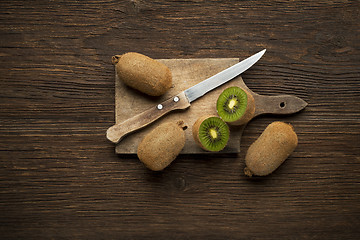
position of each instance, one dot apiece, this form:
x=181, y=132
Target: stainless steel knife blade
x=222, y=77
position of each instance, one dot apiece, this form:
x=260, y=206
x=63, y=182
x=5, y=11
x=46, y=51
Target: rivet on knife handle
x=118, y=131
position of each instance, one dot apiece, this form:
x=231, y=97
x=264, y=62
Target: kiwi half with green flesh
x=211, y=133
x=235, y=106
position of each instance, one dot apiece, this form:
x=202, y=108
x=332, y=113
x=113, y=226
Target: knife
x=180, y=101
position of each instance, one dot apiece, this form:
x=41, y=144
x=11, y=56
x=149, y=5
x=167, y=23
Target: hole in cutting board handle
x=282, y=104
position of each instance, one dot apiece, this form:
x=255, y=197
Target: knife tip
x=261, y=53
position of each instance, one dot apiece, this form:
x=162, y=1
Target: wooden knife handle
x=120, y=130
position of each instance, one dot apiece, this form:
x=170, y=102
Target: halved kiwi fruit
x=235, y=106
x=211, y=133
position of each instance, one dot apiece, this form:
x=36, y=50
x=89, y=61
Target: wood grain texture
x=131, y=104
x=186, y=73
x=60, y=178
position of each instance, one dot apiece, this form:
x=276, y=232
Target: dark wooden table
x=60, y=178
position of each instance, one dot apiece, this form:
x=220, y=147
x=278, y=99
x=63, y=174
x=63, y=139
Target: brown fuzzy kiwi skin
x=249, y=112
x=196, y=127
x=162, y=145
x=143, y=73
x=271, y=149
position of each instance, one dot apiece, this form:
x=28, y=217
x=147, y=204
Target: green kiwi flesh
x=213, y=134
x=231, y=104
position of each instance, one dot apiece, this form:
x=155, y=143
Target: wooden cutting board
x=186, y=73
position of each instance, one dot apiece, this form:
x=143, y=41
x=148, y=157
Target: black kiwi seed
x=228, y=102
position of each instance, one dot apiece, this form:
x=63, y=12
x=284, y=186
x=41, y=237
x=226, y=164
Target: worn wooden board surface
x=60, y=177
x=186, y=73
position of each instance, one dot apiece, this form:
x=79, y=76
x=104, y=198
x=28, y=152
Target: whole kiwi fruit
x=162, y=145
x=271, y=149
x=143, y=73
x=211, y=133
x=235, y=105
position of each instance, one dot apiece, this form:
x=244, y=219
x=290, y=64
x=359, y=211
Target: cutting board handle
x=280, y=104
x=120, y=130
